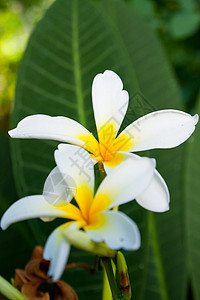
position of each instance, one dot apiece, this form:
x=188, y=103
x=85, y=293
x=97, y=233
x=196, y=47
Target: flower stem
x=9, y=291
x=111, y=278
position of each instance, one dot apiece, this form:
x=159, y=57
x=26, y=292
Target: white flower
x=92, y=213
x=160, y=129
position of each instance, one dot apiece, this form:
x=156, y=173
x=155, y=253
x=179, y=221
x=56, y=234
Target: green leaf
x=191, y=194
x=16, y=242
x=73, y=42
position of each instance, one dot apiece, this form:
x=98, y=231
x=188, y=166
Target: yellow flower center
x=87, y=212
x=106, y=150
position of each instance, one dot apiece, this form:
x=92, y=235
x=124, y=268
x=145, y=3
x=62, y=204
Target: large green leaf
x=16, y=243
x=73, y=42
x=191, y=192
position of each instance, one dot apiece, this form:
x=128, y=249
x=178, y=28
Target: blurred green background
x=177, y=24
x=17, y=19
x=154, y=47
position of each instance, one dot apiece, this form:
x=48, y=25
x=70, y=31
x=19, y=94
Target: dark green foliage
x=17, y=242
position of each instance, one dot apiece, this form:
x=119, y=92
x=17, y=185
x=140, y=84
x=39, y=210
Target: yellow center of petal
x=84, y=197
x=70, y=211
x=106, y=135
x=91, y=144
x=96, y=221
x=100, y=203
x=87, y=212
x=109, y=145
x=106, y=149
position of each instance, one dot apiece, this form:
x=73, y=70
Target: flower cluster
x=128, y=177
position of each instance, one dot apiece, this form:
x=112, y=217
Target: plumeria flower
x=160, y=129
x=91, y=213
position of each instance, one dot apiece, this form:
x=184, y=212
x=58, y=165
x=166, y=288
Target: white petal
x=107, y=169
x=118, y=231
x=124, y=183
x=156, y=197
x=56, y=191
x=76, y=166
x=28, y=208
x=161, y=129
x=110, y=101
x=52, y=128
x=57, y=250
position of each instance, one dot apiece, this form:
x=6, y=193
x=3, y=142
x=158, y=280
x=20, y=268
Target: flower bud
x=125, y=286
